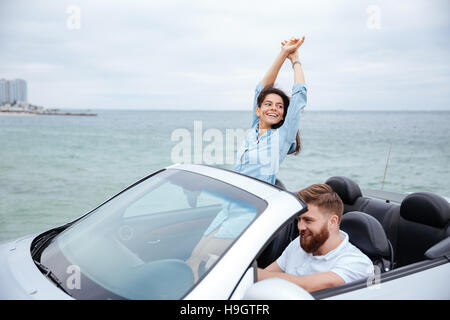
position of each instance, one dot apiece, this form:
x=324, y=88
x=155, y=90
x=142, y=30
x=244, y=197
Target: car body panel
x=19, y=276
x=430, y=284
x=258, y=188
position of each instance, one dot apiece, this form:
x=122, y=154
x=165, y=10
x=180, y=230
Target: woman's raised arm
x=298, y=98
x=272, y=73
x=299, y=76
x=287, y=48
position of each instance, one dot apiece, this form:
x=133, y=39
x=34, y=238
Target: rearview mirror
x=192, y=196
x=276, y=289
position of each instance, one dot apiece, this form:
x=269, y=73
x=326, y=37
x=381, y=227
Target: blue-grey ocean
x=56, y=168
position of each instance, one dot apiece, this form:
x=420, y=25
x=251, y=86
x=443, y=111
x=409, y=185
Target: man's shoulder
x=351, y=253
x=352, y=264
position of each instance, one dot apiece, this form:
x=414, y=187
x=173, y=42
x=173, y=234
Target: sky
x=209, y=55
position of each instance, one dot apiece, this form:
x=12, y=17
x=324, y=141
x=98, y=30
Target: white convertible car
x=140, y=243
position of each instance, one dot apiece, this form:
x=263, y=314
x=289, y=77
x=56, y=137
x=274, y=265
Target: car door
x=235, y=271
x=425, y=280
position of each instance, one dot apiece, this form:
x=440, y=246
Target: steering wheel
x=166, y=279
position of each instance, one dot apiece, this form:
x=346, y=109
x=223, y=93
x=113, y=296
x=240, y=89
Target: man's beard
x=315, y=241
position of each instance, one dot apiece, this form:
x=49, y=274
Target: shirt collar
x=335, y=251
x=268, y=132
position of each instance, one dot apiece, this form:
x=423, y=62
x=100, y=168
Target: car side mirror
x=276, y=289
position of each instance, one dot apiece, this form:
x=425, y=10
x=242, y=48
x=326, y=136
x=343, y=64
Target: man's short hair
x=323, y=197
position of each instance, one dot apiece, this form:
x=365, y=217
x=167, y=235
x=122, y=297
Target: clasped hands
x=289, y=47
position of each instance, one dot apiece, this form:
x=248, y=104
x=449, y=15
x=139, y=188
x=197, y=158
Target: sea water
x=56, y=168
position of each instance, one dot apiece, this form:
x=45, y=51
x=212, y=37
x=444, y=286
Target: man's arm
x=311, y=282
x=274, y=267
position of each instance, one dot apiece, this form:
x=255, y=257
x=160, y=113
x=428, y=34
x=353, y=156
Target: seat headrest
x=280, y=184
x=426, y=208
x=347, y=189
x=366, y=233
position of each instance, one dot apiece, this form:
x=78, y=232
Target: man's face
x=313, y=229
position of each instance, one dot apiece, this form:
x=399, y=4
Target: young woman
x=274, y=131
x=273, y=135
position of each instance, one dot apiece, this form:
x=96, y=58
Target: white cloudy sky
x=209, y=55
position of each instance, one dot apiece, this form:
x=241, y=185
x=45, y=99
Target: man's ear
x=334, y=221
x=258, y=111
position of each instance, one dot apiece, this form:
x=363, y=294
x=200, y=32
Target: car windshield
x=153, y=241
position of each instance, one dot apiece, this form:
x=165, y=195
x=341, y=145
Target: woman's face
x=271, y=110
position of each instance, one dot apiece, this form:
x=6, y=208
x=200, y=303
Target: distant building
x=13, y=91
x=4, y=91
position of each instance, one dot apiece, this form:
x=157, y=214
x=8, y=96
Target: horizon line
x=239, y=110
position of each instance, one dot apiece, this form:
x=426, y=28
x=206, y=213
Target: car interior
x=392, y=235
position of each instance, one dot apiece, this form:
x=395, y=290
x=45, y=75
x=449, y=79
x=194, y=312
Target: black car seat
x=424, y=221
x=349, y=192
x=280, y=184
x=366, y=233
x=385, y=212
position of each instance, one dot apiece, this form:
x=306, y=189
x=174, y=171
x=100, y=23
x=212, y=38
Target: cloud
x=210, y=55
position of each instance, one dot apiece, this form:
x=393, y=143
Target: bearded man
x=321, y=256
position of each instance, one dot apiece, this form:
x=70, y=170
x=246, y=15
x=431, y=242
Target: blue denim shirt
x=232, y=219
x=260, y=157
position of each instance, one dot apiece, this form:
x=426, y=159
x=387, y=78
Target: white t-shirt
x=346, y=260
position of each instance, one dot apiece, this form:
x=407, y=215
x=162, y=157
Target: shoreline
x=30, y=113
x=14, y=113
